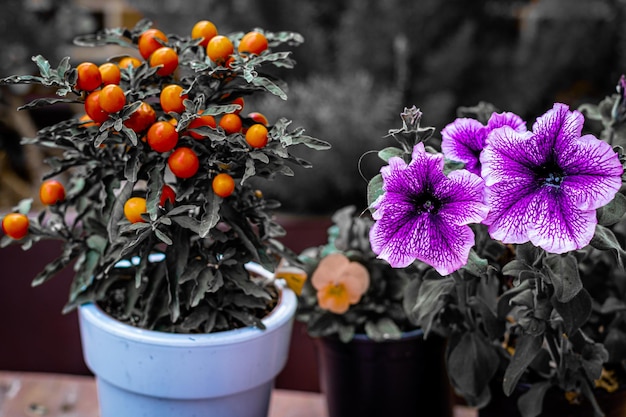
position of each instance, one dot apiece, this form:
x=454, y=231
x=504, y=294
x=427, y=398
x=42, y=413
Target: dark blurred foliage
x=363, y=61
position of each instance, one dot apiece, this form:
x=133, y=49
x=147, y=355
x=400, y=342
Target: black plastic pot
x=400, y=378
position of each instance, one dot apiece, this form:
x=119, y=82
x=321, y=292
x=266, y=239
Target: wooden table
x=56, y=395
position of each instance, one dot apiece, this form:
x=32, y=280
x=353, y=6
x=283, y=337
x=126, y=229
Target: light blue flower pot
x=157, y=374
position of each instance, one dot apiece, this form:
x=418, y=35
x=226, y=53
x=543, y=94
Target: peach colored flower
x=339, y=282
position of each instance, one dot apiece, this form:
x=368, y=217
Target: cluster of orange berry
x=103, y=96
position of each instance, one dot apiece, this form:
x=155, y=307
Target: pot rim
x=282, y=312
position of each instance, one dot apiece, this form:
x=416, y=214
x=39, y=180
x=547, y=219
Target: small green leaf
x=211, y=215
x=390, y=152
x=374, y=189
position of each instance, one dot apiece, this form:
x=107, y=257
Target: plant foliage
x=182, y=268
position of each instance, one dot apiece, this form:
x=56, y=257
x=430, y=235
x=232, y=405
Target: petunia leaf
x=605, y=239
x=575, y=312
x=563, y=272
x=612, y=212
x=527, y=347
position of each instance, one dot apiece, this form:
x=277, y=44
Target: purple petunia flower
x=544, y=186
x=424, y=215
x=464, y=139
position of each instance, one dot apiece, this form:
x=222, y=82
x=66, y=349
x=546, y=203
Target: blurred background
x=362, y=63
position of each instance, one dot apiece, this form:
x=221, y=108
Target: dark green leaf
x=530, y=403
x=612, y=212
x=565, y=276
x=383, y=329
x=471, y=378
x=574, y=312
x=527, y=347
x=605, y=239
x=208, y=281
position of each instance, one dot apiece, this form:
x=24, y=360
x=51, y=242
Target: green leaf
x=269, y=86
x=374, y=189
x=476, y=265
x=51, y=268
x=44, y=66
x=422, y=309
x=605, y=239
x=211, y=215
x=574, y=312
x=515, y=267
x=527, y=348
x=383, y=329
x=41, y=102
x=564, y=276
x=208, y=281
x=155, y=187
x=530, y=403
x=612, y=212
x=471, y=378
x=390, y=152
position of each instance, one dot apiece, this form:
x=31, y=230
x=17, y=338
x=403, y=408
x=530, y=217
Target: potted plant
x=172, y=247
x=352, y=306
x=517, y=234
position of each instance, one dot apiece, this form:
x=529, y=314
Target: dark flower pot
x=396, y=378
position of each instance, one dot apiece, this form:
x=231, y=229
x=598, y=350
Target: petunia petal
x=512, y=209
x=557, y=127
x=508, y=154
x=592, y=173
x=561, y=227
x=506, y=119
x=463, y=140
x=464, y=194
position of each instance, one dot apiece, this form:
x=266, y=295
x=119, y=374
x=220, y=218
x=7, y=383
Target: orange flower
x=339, y=282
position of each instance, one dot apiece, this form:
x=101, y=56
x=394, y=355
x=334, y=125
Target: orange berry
x=133, y=208
x=129, y=61
x=141, y=119
x=231, y=123
x=206, y=120
x=162, y=136
x=15, y=225
x=171, y=99
x=252, y=43
x=204, y=29
x=86, y=121
x=259, y=118
x=51, y=192
x=219, y=49
x=165, y=57
x=223, y=185
x=239, y=101
x=256, y=136
x=110, y=73
x=89, y=77
x=167, y=193
x=93, y=109
x=148, y=42
x=183, y=162
x=112, y=98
